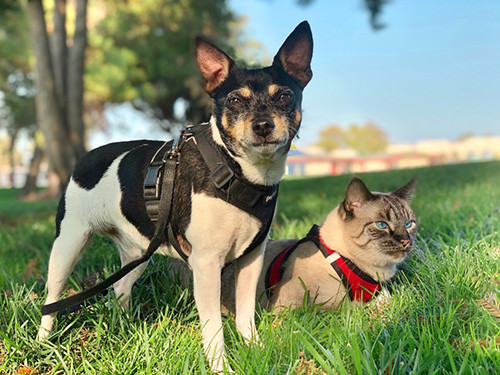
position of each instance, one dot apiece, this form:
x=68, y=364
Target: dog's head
x=258, y=111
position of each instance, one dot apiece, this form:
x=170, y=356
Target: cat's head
x=381, y=226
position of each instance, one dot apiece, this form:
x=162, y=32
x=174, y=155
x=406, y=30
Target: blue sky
x=432, y=73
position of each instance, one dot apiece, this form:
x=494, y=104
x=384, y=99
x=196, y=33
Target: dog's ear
x=295, y=54
x=357, y=195
x=213, y=63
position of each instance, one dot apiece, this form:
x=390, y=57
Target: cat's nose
x=404, y=242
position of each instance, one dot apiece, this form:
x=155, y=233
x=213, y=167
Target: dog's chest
x=219, y=228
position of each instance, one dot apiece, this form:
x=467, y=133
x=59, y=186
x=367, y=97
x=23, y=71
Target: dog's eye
x=285, y=98
x=235, y=101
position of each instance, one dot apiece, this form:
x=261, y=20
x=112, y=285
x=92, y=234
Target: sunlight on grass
x=441, y=316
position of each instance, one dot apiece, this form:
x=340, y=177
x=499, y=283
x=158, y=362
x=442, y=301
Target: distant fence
x=18, y=178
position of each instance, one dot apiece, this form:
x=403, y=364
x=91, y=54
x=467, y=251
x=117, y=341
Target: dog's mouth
x=266, y=144
x=272, y=140
x=267, y=147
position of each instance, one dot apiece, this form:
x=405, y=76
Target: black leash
x=165, y=209
x=259, y=201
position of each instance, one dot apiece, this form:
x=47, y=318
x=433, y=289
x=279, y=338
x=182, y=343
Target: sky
x=432, y=73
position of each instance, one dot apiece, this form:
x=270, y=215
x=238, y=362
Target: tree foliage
x=17, y=104
x=139, y=51
x=331, y=138
x=366, y=139
x=16, y=78
x=374, y=8
x=142, y=52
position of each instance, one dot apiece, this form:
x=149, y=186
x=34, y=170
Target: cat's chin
x=400, y=255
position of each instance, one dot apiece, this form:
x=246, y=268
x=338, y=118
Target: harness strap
x=257, y=200
x=360, y=285
x=153, y=180
x=230, y=186
x=153, y=188
x=276, y=269
x=164, y=214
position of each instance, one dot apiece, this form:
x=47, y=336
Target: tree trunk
x=29, y=191
x=59, y=51
x=75, y=80
x=13, y=138
x=49, y=117
x=52, y=191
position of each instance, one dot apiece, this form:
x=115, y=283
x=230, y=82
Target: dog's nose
x=404, y=242
x=263, y=126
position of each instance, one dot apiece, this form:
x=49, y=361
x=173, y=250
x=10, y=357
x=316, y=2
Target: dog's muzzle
x=263, y=126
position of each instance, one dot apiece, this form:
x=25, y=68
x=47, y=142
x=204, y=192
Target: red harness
x=360, y=285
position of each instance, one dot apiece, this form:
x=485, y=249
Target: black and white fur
x=256, y=115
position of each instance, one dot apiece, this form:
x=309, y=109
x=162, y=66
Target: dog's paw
x=221, y=366
x=45, y=327
x=254, y=339
x=42, y=334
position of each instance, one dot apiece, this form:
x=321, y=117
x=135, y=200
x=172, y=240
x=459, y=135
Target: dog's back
x=221, y=211
x=103, y=189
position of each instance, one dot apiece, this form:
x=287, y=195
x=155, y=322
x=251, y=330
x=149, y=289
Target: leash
x=168, y=169
x=228, y=185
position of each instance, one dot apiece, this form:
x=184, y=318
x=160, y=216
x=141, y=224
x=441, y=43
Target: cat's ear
x=357, y=195
x=406, y=192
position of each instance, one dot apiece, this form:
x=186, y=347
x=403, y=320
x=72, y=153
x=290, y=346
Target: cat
x=356, y=249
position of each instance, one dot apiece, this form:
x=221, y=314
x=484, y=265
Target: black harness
x=159, y=183
x=228, y=185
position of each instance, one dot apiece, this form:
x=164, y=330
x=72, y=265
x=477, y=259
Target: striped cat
x=351, y=255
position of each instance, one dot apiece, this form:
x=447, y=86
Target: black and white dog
x=256, y=115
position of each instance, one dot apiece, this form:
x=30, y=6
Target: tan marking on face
x=237, y=129
x=272, y=89
x=298, y=116
x=245, y=92
x=224, y=122
x=281, y=126
x=242, y=127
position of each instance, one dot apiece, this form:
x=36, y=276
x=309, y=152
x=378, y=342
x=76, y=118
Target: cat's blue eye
x=381, y=224
x=409, y=223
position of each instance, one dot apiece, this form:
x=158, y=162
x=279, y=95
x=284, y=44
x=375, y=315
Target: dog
x=328, y=266
x=256, y=115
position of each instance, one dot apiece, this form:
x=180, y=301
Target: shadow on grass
x=14, y=211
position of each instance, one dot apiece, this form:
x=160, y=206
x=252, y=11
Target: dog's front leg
x=248, y=270
x=206, y=285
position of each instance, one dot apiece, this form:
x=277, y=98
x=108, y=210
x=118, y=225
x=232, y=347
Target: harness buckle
x=174, y=149
x=152, y=182
x=221, y=175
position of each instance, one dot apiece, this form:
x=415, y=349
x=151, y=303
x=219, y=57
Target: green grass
x=440, y=318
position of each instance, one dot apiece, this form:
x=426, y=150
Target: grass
x=442, y=317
